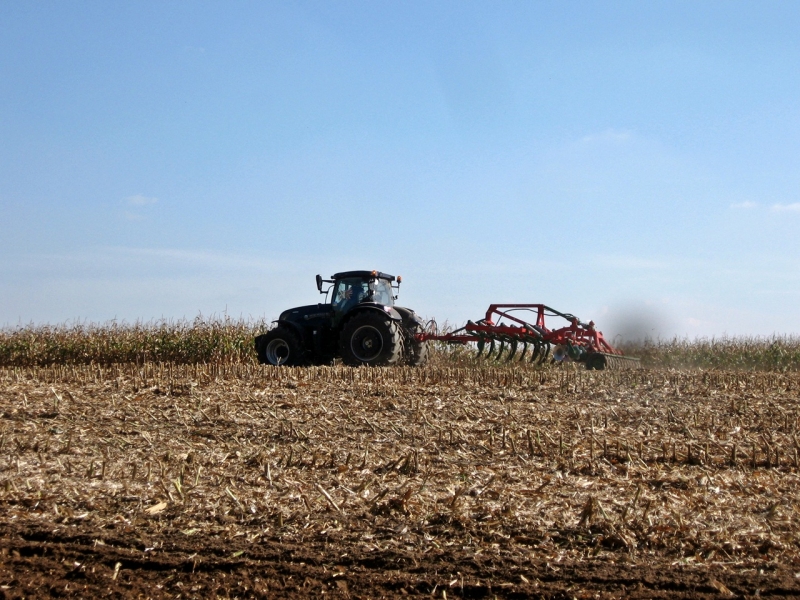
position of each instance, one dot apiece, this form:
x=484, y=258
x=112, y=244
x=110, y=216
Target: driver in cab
x=352, y=296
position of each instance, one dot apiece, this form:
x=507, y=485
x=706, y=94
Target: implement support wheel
x=596, y=362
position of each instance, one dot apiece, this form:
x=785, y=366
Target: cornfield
x=180, y=342
x=776, y=353
x=231, y=341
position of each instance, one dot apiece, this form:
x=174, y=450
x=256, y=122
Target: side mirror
x=319, y=283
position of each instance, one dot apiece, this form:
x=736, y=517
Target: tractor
x=358, y=323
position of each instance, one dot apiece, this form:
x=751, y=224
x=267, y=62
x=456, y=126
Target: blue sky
x=630, y=162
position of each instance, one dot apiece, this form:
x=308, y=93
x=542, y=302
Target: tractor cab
x=349, y=291
x=352, y=288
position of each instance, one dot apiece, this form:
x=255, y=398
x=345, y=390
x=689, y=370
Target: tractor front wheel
x=279, y=347
x=369, y=338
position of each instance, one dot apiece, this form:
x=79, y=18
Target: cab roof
x=364, y=275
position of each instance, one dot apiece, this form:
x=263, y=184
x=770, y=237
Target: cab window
x=349, y=292
x=382, y=292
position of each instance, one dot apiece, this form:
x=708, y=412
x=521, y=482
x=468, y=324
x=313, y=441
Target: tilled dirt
x=38, y=563
x=249, y=482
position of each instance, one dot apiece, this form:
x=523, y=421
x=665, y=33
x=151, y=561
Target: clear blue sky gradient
x=631, y=162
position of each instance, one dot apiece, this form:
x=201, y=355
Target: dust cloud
x=636, y=323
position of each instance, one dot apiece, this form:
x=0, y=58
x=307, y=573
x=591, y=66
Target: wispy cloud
x=794, y=207
x=140, y=200
x=744, y=205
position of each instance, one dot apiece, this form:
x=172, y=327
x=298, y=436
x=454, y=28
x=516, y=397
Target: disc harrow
x=525, y=337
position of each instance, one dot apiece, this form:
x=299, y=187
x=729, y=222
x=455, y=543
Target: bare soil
x=242, y=481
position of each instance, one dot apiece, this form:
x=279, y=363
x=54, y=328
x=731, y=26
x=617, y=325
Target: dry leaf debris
x=693, y=469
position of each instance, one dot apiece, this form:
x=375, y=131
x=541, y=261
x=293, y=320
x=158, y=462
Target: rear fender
x=411, y=320
x=386, y=311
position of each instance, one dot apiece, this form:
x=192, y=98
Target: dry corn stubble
x=500, y=474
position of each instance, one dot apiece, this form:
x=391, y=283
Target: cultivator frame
x=577, y=341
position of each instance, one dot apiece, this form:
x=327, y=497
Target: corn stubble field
x=230, y=479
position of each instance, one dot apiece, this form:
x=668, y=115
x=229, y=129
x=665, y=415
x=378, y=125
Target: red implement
x=502, y=334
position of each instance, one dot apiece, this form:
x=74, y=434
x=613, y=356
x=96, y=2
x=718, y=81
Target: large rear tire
x=369, y=338
x=280, y=347
x=418, y=352
x=415, y=353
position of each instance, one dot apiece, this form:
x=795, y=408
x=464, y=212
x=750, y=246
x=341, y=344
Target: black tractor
x=358, y=323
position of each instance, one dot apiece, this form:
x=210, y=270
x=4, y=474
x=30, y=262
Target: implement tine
x=491, y=349
x=524, y=350
x=545, y=353
x=513, y=350
x=502, y=347
x=537, y=348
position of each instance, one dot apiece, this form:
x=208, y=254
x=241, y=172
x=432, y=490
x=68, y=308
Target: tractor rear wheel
x=369, y=338
x=418, y=355
x=279, y=347
x=415, y=353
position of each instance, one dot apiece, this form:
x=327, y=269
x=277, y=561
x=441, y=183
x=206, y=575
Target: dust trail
x=633, y=323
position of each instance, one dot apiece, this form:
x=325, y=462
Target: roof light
x=399, y=278
x=374, y=273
